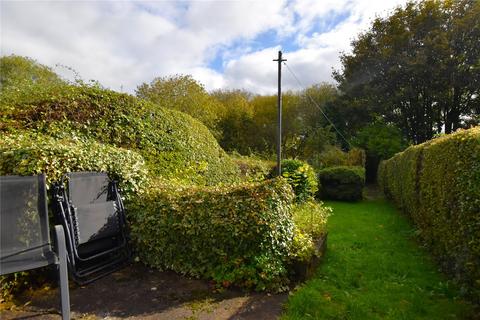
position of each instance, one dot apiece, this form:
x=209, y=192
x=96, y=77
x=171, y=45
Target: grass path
x=373, y=270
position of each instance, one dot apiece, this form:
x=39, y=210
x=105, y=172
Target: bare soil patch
x=138, y=292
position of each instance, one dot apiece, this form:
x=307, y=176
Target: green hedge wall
x=341, y=183
x=173, y=144
x=236, y=236
x=24, y=153
x=437, y=184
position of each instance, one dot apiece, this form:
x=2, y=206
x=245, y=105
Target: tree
x=316, y=103
x=305, y=132
x=237, y=123
x=314, y=97
x=419, y=68
x=183, y=93
x=19, y=71
x=380, y=141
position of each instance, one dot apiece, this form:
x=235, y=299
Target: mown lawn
x=373, y=270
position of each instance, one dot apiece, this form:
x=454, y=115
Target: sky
x=222, y=44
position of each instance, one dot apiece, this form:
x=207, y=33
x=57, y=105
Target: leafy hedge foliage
x=252, y=169
x=437, y=184
x=342, y=183
x=17, y=71
x=34, y=153
x=333, y=156
x=173, y=144
x=301, y=176
x=239, y=235
x=311, y=218
x=23, y=153
x=185, y=94
x=310, y=224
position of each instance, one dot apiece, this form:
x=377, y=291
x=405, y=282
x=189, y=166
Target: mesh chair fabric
x=24, y=237
x=88, y=187
x=96, y=221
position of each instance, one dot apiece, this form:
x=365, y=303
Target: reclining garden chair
x=89, y=207
x=25, y=236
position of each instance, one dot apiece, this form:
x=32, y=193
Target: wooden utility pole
x=279, y=103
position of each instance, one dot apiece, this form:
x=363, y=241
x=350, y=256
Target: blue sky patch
x=270, y=38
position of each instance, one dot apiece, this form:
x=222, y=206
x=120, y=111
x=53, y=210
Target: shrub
x=253, y=169
x=342, y=183
x=311, y=218
x=301, y=177
x=333, y=156
x=310, y=224
x=237, y=235
x=32, y=153
x=173, y=144
x=437, y=184
x=303, y=248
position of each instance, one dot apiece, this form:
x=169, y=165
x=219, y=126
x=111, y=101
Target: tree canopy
x=419, y=68
x=250, y=122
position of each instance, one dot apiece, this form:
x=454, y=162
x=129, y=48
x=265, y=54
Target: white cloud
x=122, y=44
x=238, y=72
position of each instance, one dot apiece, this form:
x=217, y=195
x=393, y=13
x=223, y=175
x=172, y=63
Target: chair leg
x=62, y=269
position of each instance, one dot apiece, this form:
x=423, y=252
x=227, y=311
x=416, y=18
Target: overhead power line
x=316, y=104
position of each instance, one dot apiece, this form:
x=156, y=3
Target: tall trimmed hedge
x=173, y=144
x=25, y=153
x=237, y=235
x=437, y=184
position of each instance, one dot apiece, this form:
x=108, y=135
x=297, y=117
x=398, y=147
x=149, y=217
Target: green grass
x=373, y=270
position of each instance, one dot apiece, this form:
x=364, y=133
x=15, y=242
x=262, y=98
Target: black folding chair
x=89, y=206
x=25, y=237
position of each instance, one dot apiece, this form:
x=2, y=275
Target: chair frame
x=66, y=215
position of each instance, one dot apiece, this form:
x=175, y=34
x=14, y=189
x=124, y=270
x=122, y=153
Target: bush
x=310, y=224
x=301, y=177
x=253, y=169
x=333, y=156
x=32, y=153
x=342, y=183
x=437, y=184
x=311, y=218
x=173, y=144
x=236, y=236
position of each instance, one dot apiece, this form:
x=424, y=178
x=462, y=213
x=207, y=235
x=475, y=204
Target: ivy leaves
x=25, y=153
